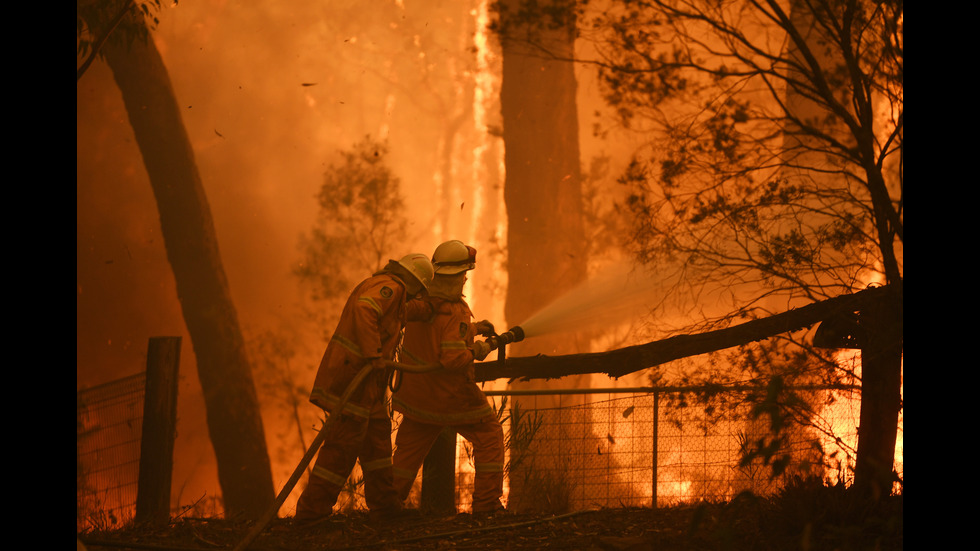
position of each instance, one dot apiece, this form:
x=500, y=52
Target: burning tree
x=779, y=170
x=773, y=172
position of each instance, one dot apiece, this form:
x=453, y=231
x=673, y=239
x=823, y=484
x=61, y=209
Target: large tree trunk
x=234, y=422
x=881, y=393
x=881, y=351
x=546, y=252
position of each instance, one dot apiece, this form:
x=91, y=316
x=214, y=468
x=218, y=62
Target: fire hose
x=318, y=441
x=496, y=342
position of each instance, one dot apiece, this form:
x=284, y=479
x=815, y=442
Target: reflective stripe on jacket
x=369, y=327
x=447, y=396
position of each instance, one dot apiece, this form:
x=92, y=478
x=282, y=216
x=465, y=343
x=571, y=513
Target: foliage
x=775, y=157
x=360, y=220
x=284, y=388
x=96, y=21
x=511, y=18
x=351, y=496
x=779, y=388
x=797, y=382
x=771, y=174
x=541, y=490
x=826, y=515
x=524, y=426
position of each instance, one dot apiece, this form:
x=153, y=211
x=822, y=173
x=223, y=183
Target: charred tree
x=233, y=416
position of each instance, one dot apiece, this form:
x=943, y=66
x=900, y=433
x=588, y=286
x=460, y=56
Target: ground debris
x=681, y=528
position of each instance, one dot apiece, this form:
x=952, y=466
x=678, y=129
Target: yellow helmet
x=419, y=266
x=453, y=257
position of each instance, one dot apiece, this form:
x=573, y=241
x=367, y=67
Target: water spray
x=620, y=292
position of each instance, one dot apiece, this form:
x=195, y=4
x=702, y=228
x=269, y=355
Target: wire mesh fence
x=109, y=421
x=575, y=449
x=614, y=448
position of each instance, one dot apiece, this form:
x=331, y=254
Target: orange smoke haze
x=270, y=93
x=617, y=293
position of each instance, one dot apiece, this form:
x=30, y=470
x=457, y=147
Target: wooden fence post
x=159, y=431
x=439, y=476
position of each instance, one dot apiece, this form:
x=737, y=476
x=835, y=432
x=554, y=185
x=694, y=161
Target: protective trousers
x=415, y=439
x=351, y=438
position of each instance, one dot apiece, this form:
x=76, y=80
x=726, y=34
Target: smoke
x=269, y=95
x=618, y=294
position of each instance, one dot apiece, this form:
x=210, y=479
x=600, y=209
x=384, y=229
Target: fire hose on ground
x=318, y=441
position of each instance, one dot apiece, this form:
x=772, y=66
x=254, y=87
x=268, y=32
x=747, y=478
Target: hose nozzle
x=515, y=334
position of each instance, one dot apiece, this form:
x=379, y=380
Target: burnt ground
x=815, y=522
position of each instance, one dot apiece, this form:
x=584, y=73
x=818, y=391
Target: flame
x=841, y=438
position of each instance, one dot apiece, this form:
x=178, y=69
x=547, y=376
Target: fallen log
x=623, y=361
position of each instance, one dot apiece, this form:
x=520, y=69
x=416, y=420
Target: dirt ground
x=748, y=524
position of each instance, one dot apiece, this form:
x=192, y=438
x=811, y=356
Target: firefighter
x=368, y=332
x=448, y=397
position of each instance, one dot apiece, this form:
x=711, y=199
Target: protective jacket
x=370, y=327
x=447, y=396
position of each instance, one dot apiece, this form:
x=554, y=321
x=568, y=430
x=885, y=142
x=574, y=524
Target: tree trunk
x=546, y=249
x=233, y=416
x=881, y=394
x=545, y=238
x=881, y=353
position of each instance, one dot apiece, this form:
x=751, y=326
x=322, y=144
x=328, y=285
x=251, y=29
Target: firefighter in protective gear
x=448, y=397
x=368, y=332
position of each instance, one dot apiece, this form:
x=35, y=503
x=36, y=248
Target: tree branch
x=105, y=36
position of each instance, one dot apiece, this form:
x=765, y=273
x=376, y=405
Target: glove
x=480, y=350
x=484, y=327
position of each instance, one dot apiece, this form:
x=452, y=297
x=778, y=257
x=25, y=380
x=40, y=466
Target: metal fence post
x=656, y=413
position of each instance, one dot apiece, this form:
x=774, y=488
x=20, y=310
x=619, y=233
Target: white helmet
x=419, y=266
x=453, y=257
